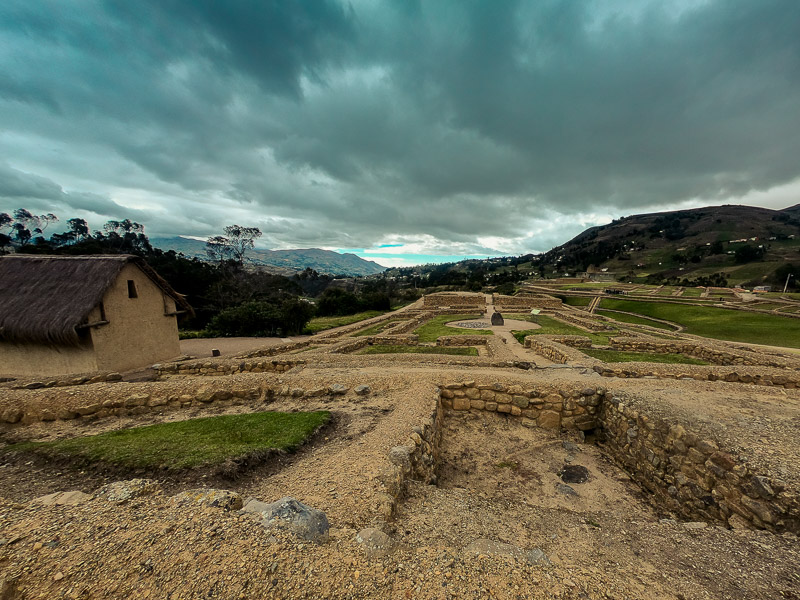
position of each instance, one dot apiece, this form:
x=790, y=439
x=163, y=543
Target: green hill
x=747, y=244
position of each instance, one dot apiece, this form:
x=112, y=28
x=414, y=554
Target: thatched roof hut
x=47, y=299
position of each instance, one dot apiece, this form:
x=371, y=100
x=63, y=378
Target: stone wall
x=226, y=367
x=160, y=402
x=275, y=350
x=692, y=476
x=709, y=353
x=524, y=303
x=416, y=459
x=587, y=324
x=462, y=340
x=351, y=345
x=542, y=407
x=445, y=300
x=687, y=474
x=395, y=340
x=762, y=376
x=554, y=351
x=410, y=325
x=49, y=382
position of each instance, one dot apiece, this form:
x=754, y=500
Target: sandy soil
x=201, y=347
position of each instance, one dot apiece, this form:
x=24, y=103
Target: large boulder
x=123, y=491
x=287, y=514
x=375, y=542
x=497, y=319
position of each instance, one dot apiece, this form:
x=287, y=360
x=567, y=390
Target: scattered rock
x=224, y=499
x=694, y=525
x=337, y=389
x=362, y=390
x=288, y=514
x=8, y=588
x=574, y=474
x=494, y=548
x=567, y=490
x=400, y=456
x=122, y=491
x=375, y=542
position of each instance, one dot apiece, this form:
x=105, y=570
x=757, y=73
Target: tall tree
x=234, y=245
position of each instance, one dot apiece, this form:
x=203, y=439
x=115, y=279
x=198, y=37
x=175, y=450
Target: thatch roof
x=44, y=299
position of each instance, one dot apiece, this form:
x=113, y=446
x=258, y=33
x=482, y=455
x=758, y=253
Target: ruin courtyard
x=522, y=469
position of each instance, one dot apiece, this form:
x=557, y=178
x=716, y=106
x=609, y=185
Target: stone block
x=504, y=408
x=549, y=419
x=461, y=404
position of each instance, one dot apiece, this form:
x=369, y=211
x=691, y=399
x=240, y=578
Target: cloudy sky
x=408, y=131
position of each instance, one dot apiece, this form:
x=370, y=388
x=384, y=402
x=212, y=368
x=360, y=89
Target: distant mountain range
x=284, y=261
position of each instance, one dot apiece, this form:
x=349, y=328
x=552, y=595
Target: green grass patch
x=719, y=323
x=428, y=332
x=507, y=464
x=693, y=292
x=615, y=356
x=400, y=349
x=197, y=442
x=377, y=328
x=634, y=319
x=576, y=300
x=318, y=324
x=551, y=326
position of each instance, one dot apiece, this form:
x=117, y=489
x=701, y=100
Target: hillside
x=323, y=261
x=747, y=244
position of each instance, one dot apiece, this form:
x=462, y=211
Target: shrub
x=262, y=319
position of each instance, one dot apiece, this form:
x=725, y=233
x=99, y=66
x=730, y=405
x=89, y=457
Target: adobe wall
x=40, y=360
x=139, y=330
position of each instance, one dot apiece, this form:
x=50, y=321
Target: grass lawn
x=634, y=320
x=436, y=327
x=576, y=300
x=377, y=328
x=692, y=292
x=318, y=324
x=185, y=444
x=719, y=323
x=387, y=349
x=612, y=356
x=551, y=326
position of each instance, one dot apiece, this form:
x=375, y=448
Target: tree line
x=229, y=295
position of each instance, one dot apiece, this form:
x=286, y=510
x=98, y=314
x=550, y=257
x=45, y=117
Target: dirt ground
x=500, y=521
x=201, y=347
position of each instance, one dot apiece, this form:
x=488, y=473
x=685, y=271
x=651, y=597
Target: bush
x=262, y=319
x=338, y=302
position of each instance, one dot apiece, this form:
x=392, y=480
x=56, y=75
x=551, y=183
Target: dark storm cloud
x=344, y=124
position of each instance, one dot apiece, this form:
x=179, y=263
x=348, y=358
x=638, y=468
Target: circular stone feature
x=470, y=325
x=574, y=474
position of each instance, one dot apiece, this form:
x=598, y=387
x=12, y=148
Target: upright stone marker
x=497, y=319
